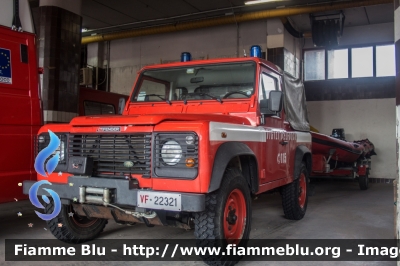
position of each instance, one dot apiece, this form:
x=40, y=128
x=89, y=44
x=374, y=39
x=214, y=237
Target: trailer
x=334, y=157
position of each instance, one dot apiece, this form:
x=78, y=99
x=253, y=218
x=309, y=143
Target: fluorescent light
x=255, y=2
x=84, y=29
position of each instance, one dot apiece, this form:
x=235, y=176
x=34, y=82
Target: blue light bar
x=185, y=57
x=255, y=51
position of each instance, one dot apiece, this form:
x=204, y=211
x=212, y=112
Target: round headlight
x=171, y=152
x=61, y=150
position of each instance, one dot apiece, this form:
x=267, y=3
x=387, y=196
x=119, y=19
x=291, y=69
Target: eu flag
x=5, y=66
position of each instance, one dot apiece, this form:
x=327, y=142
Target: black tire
x=363, y=181
x=295, y=195
x=211, y=224
x=75, y=229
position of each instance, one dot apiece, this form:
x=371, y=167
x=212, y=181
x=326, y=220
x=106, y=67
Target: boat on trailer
x=333, y=156
x=340, y=150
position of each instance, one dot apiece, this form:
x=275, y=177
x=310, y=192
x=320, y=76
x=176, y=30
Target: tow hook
x=104, y=196
x=147, y=215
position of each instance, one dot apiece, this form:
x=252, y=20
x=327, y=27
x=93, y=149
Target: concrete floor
x=337, y=210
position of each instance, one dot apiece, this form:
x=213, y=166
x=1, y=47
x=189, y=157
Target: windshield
x=206, y=82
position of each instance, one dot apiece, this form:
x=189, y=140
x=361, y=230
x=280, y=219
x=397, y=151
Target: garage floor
x=337, y=210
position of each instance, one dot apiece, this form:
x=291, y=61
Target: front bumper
x=122, y=193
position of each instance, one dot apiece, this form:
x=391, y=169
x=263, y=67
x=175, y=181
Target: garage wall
x=350, y=89
x=372, y=118
x=368, y=34
x=129, y=55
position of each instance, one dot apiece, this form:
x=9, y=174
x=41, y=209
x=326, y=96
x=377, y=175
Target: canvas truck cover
x=295, y=103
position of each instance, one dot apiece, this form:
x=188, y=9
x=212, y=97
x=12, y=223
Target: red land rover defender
x=196, y=141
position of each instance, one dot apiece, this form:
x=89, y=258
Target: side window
x=267, y=84
x=96, y=108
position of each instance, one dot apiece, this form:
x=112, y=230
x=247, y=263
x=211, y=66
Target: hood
x=119, y=120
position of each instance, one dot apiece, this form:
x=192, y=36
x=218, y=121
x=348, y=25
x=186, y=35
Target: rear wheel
x=72, y=228
x=295, y=196
x=363, y=181
x=227, y=218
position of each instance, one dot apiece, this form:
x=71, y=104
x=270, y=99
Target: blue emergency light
x=255, y=51
x=185, y=57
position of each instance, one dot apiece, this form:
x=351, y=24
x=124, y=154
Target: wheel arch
x=227, y=154
x=302, y=154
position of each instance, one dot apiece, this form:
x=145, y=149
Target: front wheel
x=72, y=228
x=295, y=195
x=226, y=219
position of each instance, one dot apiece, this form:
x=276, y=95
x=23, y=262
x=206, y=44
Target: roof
x=216, y=61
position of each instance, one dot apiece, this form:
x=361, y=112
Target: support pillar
x=59, y=48
x=282, y=48
x=397, y=49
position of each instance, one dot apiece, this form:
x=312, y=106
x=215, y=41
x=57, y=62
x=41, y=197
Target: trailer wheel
x=363, y=181
x=226, y=219
x=72, y=228
x=295, y=196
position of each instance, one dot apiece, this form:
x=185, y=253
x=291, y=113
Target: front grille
x=110, y=152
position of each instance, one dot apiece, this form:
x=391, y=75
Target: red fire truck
x=196, y=141
x=20, y=108
x=21, y=112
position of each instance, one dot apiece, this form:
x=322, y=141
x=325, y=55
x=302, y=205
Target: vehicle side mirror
x=121, y=105
x=275, y=101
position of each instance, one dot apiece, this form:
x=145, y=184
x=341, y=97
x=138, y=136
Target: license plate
x=159, y=200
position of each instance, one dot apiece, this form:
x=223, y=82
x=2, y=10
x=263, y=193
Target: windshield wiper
x=159, y=96
x=162, y=98
x=209, y=95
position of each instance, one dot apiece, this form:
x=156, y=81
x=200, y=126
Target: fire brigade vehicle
x=196, y=141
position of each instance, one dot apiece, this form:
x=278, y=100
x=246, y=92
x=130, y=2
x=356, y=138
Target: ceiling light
x=84, y=29
x=255, y=2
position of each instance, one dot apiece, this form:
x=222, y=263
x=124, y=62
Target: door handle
x=284, y=142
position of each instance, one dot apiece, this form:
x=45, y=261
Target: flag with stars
x=5, y=66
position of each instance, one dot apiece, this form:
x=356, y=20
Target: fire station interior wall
x=7, y=15
x=373, y=119
x=127, y=56
x=359, y=35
